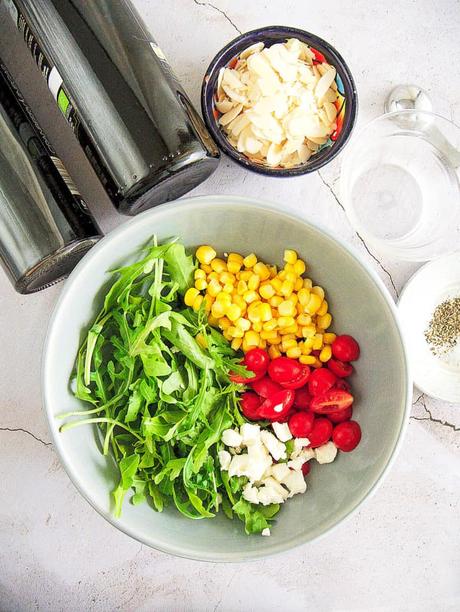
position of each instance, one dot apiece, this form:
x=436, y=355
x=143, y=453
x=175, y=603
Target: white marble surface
x=401, y=551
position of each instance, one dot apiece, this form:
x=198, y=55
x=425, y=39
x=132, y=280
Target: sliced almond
x=224, y=105
x=238, y=124
x=331, y=111
x=255, y=48
x=324, y=83
x=232, y=79
x=304, y=153
x=231, y=114
x=233, y=95
x=330, y=95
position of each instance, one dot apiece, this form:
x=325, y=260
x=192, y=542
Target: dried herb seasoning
x=443, y=329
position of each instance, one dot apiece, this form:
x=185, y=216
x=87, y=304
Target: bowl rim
x=46, y=376
x=233, y=47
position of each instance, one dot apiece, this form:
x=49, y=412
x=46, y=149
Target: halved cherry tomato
x=331, y=401
x=345, y=348
x=341, y=415
x=245, y=380
x=283, y=370
x=347, y=436
x=265, y=387
x=320, y=381
x=301, y=423
x=340, y=368
x=343, y=384
x=302, y=399
x=250, y=403
x=257, y=360
x=321, y=432
x=300, y=381
x=306, y=468
x=276, y=407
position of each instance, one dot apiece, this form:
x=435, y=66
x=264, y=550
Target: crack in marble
x=422, y=400
x=223, y=13
x=27, y=432
x=377, y=261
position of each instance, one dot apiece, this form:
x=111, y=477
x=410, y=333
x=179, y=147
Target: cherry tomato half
x=265, y=387
x=250, y=403
x=257, y=360
x=345, y=348
x=306, y=468
x=321, y=432
x=300, y=381
x=331, y=401
x=320, y=381
x=343, y=384
x=340, y=368
x=276, y=407
x=347, y=436
x=301, y=423
x=302, y=399
x=284, y=370
x=339, y=416
x=245, y=380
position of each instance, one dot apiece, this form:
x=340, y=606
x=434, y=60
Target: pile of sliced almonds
x=277, y=105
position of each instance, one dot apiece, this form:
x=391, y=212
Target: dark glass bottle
x=112, y=82
x=45, y=225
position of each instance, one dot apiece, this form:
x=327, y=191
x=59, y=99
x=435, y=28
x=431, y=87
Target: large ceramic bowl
x=361, y=307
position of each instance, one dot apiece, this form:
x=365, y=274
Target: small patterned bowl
x=347, y=99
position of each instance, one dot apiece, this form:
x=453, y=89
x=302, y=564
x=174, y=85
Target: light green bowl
x=361, y=306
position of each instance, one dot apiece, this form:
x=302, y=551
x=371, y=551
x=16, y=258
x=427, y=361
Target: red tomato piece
x=343, y=384
x=347, y=436
x=306, y=468
x=340, y=368
x=301, y=423
x=283, y=370
x=245, y=380
x=320, y=381
x=300, y=381
x=321, y=432
x=345, y=348
x=265, y=387
x=250, y=403
x=331, y=401
x=257, y=360
x=302, y=399
x=341, y=415
x=276, y=407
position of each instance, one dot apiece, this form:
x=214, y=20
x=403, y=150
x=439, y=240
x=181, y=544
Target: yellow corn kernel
x=266, y=334
x=318, y=291
x=205, y=254
x=317, y=363
x=190, y=296
x=313, y=304
x=267, y=291
x=235, y=332
x=294, y=353
x=241, y=287
x=303, y=296
x=293, y=298
x=299, y=267
x=227, y=288
x=224, y=323
x=208, y=302
x=254, y=282
x=206, y=269
x=227, y=277
x=303, y=319
x=273, y=271
x=291, y=277
x=287, y=288
x=243, y=324
x=287, y=309
x=265, y=312
x=233, y=266
x=250, y=261
x=249, y=297
x=276, y=340
x=197, y=303
x=214, y=287
x=236, y=343
x=270, y=325
x=218, y=265
x=289, y=343
x=322, y=310
x=257, y=326
x=273, y=352
x=308, y=331
x=290, y=329
x=253, y=312
x=326, y=353
x=329, y=338
x=245, y=275
x=263, y=344
x=308, y=345
x=275, y=301
x=200, y=284
x=307, y=359
x=235, y=257
x=213, y=276
x=317, y=342
x=282, y=275
x=288, y=267
x=233, y=312
x=299, y=309
x=201, y=340
x=214, y=321
x=251, y=338
x=285, y=321
x=298, y=284
x=199, y=274
x=325, y=321
x=261, y=270
x=223, y=297
x=307, y=283
x=218, y=309
x=290, y=256
x=226, y=335
x=238, y=300
x=276, y=283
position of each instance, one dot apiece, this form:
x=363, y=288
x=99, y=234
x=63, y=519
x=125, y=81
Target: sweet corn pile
x=255, y=305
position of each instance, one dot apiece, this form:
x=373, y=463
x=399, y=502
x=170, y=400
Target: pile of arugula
x=161, y=402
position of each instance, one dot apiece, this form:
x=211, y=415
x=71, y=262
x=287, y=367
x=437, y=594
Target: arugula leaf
x=180, y=266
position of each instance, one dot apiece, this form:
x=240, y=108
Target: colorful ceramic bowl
x=347, y=99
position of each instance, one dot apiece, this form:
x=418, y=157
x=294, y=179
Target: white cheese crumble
x=282, y=431
x=326, y=453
